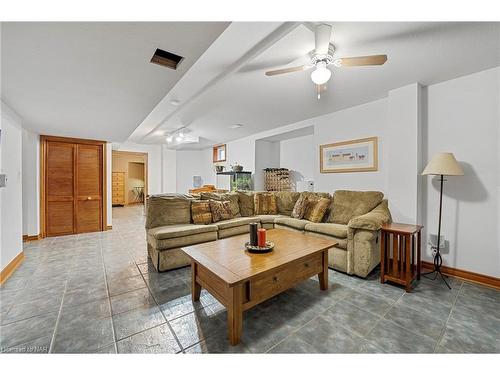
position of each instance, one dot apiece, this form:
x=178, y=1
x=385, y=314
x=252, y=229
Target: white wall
x=11, y=202
x=464, y=118
x=31, y=183
x=191, y=163
x=267, y=155
x=169, y=170
x=298, y=155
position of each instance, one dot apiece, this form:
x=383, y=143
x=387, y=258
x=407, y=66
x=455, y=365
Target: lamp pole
x=438, y=260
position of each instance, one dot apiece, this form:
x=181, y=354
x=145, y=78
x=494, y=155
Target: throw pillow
x=232, y=197
x=300, y=207
x=246, y=202
x=285, y=201
x=350, y=204
x=265, y=204
x=316, y=209
x=221, y=210
x=201, y=212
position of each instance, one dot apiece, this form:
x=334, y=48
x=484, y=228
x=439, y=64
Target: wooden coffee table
x=241, y=280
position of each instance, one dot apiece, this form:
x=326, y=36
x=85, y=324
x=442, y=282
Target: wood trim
x=11, y=267
x=343, y=143
x=109, y=227
x=214, y=153
x=27, y=238
x=466, y=275
x=43, y=177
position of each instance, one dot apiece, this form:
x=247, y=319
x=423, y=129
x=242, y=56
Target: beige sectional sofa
x=354, y=220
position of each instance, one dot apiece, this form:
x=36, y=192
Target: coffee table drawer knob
x=275, y=278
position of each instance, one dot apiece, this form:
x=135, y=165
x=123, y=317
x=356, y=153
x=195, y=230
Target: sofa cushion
x=341, y=242
x=268, y=219
x=285, y=200
x=178, y=242
x=221, y=210
x=291, y=222
x=168, y=209
x=316, y=209
x=236, y=222
x=232, y=197
x=201, y=212
x=180, y=230
x=265, y=204
x=330, y=229
x=246, y=203
x=300, y=207
x=350, y=204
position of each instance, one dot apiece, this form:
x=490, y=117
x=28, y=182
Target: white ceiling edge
x=211, y=68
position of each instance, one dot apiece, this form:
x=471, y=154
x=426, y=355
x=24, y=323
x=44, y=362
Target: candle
x=253, y=234
x=261, y=234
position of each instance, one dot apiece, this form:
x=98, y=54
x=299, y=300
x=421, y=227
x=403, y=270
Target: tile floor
x=96, y=293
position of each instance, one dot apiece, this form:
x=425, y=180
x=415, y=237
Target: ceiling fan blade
x=361, y=60
x=287, y=70
x=322, y=37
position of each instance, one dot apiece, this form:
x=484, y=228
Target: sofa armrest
x=374, y=219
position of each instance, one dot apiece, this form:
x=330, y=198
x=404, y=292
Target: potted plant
x=219, y=168
x=236, y=167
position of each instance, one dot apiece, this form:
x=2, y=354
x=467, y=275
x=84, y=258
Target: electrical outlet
x=3, y=180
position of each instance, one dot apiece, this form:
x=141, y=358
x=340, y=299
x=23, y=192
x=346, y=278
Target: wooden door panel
x=88, y=188
x=59, y=185
x=89, y=216
x=60, y=218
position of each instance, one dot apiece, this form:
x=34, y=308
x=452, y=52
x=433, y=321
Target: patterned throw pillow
x=265, y=204
x=300, y=207
x=221, y=210
x=316, y=209
x=201, y=212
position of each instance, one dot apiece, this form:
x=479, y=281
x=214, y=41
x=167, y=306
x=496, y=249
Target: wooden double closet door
x=72, y=186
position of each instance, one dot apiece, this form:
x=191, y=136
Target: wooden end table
x=400, y=265
x=240, y=280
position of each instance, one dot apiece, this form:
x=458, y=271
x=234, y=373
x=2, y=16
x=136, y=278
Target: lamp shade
x=443, y=163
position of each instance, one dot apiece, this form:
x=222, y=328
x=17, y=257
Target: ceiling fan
x=322, y=56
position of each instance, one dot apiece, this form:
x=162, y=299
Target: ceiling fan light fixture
x=169, y=138
x=321, y=74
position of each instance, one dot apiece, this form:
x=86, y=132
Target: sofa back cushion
x=265, y=204
x=349, y=204
x=299, y=210
x=201, y=212
x=168, y=209
x=246, y=202
x=221, y=210
x=316, y=209
x=232, y=197
x=285, y=200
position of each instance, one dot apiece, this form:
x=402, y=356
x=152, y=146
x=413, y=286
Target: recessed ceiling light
x=235, y=126
x=175, y=102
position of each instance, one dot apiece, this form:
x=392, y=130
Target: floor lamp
x=442, y=164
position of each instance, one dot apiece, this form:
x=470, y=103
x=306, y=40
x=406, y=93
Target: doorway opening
x=129, y=178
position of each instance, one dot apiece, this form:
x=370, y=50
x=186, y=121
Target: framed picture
x=358, y=155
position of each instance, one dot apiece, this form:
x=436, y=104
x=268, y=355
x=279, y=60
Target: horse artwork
x=358, y=155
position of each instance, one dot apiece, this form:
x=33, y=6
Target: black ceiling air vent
x=167, y=59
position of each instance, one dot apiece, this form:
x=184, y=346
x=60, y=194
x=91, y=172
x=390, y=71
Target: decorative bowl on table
x=260, y=249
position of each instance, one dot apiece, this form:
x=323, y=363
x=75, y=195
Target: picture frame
x=357, y=155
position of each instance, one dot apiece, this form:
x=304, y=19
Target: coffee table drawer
x=262, y=288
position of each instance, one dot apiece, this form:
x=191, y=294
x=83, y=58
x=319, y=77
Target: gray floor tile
x=392, y=338
x=83, y=295
x=95, y=334
x=294, y=344
x=137, y=320
x=369, y=302
x=118, y=286
x=351, y=317
x=196, y=326
x=416, y=321
x=155, y=340
x=425, y=305
x=131, y=300
x=25, y=331
x=39, y=345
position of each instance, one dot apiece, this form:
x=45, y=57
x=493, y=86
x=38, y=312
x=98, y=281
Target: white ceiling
x=418, y=52
x=94, y=80
x=65, y=79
